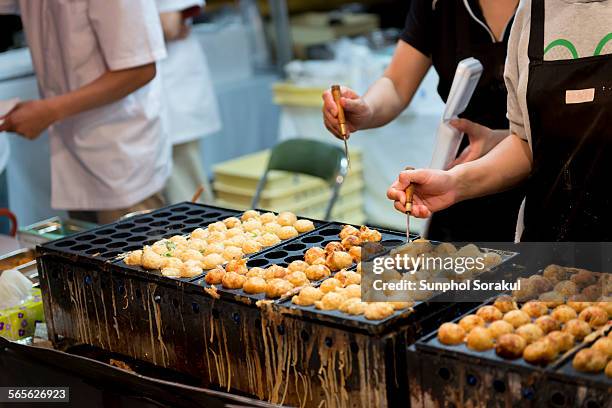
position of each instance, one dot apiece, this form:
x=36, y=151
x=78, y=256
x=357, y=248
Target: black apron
x=568, y=196
x=492, y=218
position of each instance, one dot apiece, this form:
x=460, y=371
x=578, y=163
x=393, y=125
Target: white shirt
x=4, y=152
x=117, y=155
x=191, y=110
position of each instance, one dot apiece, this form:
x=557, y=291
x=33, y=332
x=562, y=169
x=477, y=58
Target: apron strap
x=536, y=33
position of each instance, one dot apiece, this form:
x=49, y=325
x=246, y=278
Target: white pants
x=187, y=175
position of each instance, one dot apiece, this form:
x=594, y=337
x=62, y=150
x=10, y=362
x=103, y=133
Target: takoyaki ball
x=333, y=246
x=577, y=328
x=469, y=322
x=590, y=361
x=330, y=301
x=320, y=261
x=233, y=232
x=179, y=240
x=593, y=292
x=517, y=318
x=232, y=252
x=272, y=228
x=338, y=260
x=492, y=259
x=344, y=307
x=268, y=239
x=251, y=246
x=134, y=258
x=552, y=299
x=444, y=249
x=566, y=288
x=307, y=296
x=351, y=241
x=212, y=261
x=217, y=226
x=250, y=214
x=356, y=308
x=563, y=313
x=199, y=233
x=352, y=291
x=489, y=313
x=198, y=244
x=451, y=334
x=259, y=272
x=594, y=316
x=215, y=237
x=151, y=260
x=604, y=345
x=548, y=324
x=172, y=272
x=535, y=309
x=578, y=303
x=329, y=285
x=505, y=304
x=348, y=230
x=297, y=278
x=232, y=280
x=584, y=278
x=277, y=288
x=214, y=276
x=173, y=263
x=556, y=273
x=232, y=222
x=540, y=352
x=500, y=327
x=530, y=332
x=255, y=285
x=286, y=218
x=607, y=306
x=303, y=226
x=355, y=253
x=314, y=253
x=237, y=265
x=317, y=272
x=378, y=311
x=160, y=248
x=608, y=369
x=268, y=217
x=275, y=272
x=216, y=248
x=527, y=290
x=297, y=266
x=287, y=232
x=252, y=225
x=510, y=346
x=479, y=339
x=562, y=340
x=369, y=235
x=191, y=269
x=348, y=277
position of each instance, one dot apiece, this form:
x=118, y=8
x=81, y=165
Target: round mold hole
x=144, y=220
x=183, y=208
x=557, y=399
x=101, y=241
x=294, y=247
x=93, y=251
x=160, y=223
x=444, y=373
x=213, y=214
x=195, y=212
x=193, y=221
x=162, y=214
x=106, y=231
x=118, y=244
x=87, y=237
x=121, y=235
x=276, y=255
x=64, y=244
x=472, y=380
x=126, y=226
x=187, y=230
x=313, y=239
x=158, y=232
x=258, y=263
x=290, y=259
x=499, y=386
x=330, y=232
x=141, y=229
x=109, y=255
x=137, y=238
x=132, y=248
x=81, y=247
x=178, y=218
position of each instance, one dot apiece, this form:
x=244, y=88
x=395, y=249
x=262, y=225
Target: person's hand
x=356, y=111
x=29, y=119
x=482, y=140
x=434, y=190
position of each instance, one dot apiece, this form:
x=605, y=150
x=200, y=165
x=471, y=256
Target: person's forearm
x=108, y=88
x=385, y=102
x=504, y=167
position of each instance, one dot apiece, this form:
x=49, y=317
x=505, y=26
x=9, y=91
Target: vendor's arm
x=504, y=167
x=31, y=118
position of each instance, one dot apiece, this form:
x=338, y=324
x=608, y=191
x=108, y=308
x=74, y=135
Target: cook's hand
x=356, y=111
x=482, y=140
x=434, y=190
x=29, y=119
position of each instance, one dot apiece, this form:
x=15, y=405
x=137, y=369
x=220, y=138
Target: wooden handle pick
x=337, y=94
x=409, y=194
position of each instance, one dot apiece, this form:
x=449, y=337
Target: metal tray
x=565, y=371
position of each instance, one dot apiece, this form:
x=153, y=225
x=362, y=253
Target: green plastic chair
x=311, y=157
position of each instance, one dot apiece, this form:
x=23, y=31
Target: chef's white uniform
x=191, y=110
x=117, y=155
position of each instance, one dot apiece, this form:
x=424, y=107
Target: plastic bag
x=14, y=289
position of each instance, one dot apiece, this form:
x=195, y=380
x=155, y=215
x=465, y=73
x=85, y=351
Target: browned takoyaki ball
x=517, y=318
x=548, y=324
x=540, y=352
x=348, y=230
x=505, y=304
x=557, y=273
x=338, y=260
x=330, y=284
x=578, y=328
x=510, y=346
x=286, y=218
x=584, y=278
x=535, y=309
x=500, y=327
x=552, y=299
x=254, y=285
x=562, y=341
x=471, y=321
x=351, y=241
x=214, y=276
x=563, y=313
x=369, y=235
x=314, y=253
x=566, y=288
x=274, y=272
x=297, y=278
x=232, y=280
x=277, y=287
x=578, y=302
x=531, y=332
x=332, y=247
x=307, y=296
x=237, y=265
x=593, y=292
x=297, y=266
x=378, y=311
x=590, y=361
x=304, y=226
x=594, y=316
x=355, y=253
x=317, y=272
x=451, y=334
x=479, y=339
x=287, y=232
x=607, y=306
x=489, y=313
x=604, y=345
